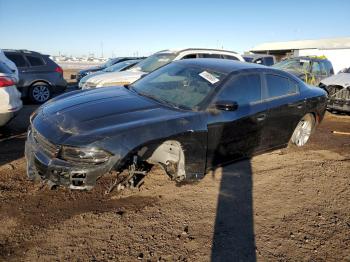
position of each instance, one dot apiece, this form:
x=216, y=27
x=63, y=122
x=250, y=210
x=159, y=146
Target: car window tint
x=210, y=56
x=279, y=86
x=316, y=69
x=329, y=67
x=268, y=61
x=323, y=69
x=230, y=57
x=190, y=56
x=34, y=60
x=243, y=89
x=18, y=59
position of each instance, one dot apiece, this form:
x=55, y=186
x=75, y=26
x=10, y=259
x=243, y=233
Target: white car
x=10, y=97
x=9, y=63
x=155, y=61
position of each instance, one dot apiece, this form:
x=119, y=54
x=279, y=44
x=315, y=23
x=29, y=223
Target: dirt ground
x=288, y=205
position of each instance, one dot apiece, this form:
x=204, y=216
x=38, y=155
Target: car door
x=236, y=134
x=285, y=108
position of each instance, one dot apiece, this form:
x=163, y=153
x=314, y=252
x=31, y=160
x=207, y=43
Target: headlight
x=88, y=85
x=113, y=84
x=84, y=155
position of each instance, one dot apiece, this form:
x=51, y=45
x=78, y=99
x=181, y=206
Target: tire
x=303, y=130
x=39, y=93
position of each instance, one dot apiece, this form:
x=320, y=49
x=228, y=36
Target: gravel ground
x=288, y=205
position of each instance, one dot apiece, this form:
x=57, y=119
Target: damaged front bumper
x=42, y=163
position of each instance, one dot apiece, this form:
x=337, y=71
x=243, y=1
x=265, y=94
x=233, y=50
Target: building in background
x=337, y=50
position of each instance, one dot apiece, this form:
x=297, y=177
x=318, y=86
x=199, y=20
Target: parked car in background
x=310, y=69
x=114, y=68
x=156, y=61
x=188, y=117
x=39, y=76
x=10, y=98
x=260, y=59
x=338, y=89
x=110, y=62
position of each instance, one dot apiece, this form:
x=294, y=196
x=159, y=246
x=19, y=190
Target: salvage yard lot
x=288, y=205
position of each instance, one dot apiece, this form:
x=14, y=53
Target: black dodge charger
x=189, y=117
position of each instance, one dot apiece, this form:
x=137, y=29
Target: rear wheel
x=303, y=130
x=39, y=93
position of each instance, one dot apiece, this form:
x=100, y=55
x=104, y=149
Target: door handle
x=261, y=117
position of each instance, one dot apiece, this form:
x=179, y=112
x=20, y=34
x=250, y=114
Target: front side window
x=18, y=59
x=153, y=62
x=278, y=86
x=34, y=60
x=243, y=89
x=179, y=85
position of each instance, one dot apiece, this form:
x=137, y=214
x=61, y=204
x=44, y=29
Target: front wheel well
x=38, y=82
x=168, y=154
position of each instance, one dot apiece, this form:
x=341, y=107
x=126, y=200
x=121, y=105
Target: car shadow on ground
x=233, y=238
x=13, y=136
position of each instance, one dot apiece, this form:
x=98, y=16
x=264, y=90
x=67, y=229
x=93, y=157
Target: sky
x=129, y=27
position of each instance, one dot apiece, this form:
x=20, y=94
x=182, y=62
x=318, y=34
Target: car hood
x=341, y=79
x=112, y=78
x=91, y=69
x=87, y=116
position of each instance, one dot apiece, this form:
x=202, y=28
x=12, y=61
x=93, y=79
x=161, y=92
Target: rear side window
x=35, y=60
x=268, y=61
x=329, y=67
x=316, y=69
x=230, y=57
x=18, y=59
x=190, y=56
x=280, y=86
x=243, y=89
x=210, y=56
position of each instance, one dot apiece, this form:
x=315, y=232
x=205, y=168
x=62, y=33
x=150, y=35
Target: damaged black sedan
x=189, y=117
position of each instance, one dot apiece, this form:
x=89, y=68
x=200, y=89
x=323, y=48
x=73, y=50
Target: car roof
x=172, y=51
x=312, y=58
x=23, y=51
x=257, y=55
x=221, y=65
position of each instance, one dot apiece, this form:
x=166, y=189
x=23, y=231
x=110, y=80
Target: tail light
x=59, y=70
x=6, y=81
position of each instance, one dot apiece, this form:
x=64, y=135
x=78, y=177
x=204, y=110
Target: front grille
x=338, y=93
x=49, y=148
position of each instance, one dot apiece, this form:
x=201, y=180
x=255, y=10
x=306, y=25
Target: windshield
x=154, y=62
x=300, y=65
x=179, y=86
x=109, y=63
x=119, y=66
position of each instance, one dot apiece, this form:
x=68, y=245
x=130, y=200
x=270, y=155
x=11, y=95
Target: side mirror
x=226, y=105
